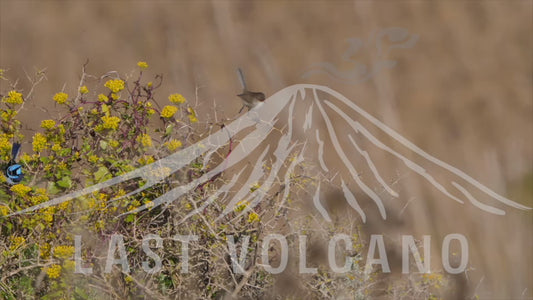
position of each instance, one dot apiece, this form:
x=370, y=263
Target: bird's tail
x=15, y=151
x=241, y=78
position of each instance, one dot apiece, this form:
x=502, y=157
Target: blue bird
x=13, y=171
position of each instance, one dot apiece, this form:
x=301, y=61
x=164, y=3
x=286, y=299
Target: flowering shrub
x=99, y=136
x=111, y=128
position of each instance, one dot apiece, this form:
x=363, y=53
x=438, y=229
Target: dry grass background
x=463, y=93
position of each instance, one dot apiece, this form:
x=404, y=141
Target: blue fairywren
x=13, y=171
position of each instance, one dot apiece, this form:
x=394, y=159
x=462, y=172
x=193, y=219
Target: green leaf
x=130, y=218
x=169, y=129
x=65, y=182
x=103, y=145
x=101, y=174
x=52, y=188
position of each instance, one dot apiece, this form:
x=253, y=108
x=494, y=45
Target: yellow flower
x=110, y=122
x=102, y=98
x=115, y=85
x=142, y=65
x=252, y=217
x=4, y=210
x=45, y=250
x=192, y=115
x=114, y=143
x=62, y=129
x=38, y=199
x=56, y=147
x=241, y=206
x=173, y=145
x=61, y=98
x=115, y=96
x=254, y=187
x=5, y=145
x=16, y=242
x=63, y=251
x=149, y=204
x=48, y=124
x=53, y=271
x=84, y=90
x=146, y=159
x=2, y=178
x=48, y=214
x=13, y=97
x=39, y=142
x=9, y=114
x=25, y=157
x=176, y=98
x=92, y=158
x=168, y=111
x=145, y=140
x=20, y=189
x=149, y=84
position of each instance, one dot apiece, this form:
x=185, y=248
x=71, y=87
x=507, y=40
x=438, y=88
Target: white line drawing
x=260, y=122
x=383, y=41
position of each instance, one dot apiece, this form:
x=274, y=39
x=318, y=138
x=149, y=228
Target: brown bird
x=249, y=99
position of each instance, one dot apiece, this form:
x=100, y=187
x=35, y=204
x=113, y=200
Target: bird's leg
x=241, y=109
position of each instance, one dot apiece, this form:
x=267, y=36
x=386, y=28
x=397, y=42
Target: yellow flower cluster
x=115, y=85
x=39, y=142
x=241, y=206
x=254, y=187
x=146, y=159
x=253, y=217
x=176, y=98
x=13, y=97
x=9, y=114
x=39, y=197
x=110, y=122
x=142, y=65
x=56, y=148
x=92, y=158
x=114, y=143
x=4, y=210
x=145, y=140
x=102, y=98
x=20, y=189
x=61, y=98
x=63, y=251
x=168, y=111
x=44, y=250
x=192, y=115
x=5, y=145
x=48, y=124
x=173, y=144
x=16, y=242
x=84, y=90
x=48, y=214
x=53, y=271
